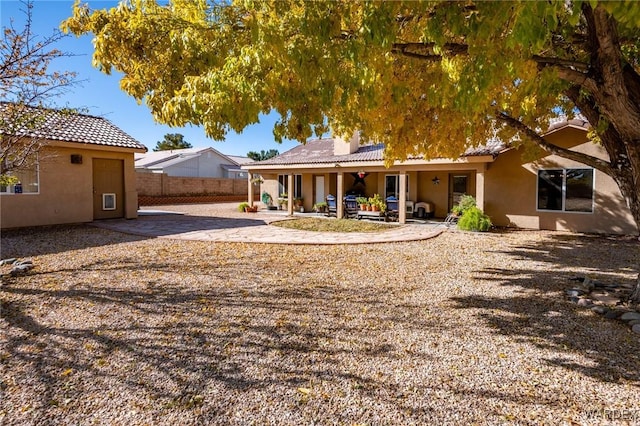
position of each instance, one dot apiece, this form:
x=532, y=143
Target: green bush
x=466, y=202
x=474, y=219
x=242, y=206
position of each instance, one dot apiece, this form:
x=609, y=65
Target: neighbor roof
x=320, y=151
x=161, y=159
x=63, y=126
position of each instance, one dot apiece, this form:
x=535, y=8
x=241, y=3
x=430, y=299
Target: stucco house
x=548, y=193
x=192, y=162
x=84, y=172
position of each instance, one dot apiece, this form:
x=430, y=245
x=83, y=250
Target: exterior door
x=458, y=186
x=108, y=188
x=319, y=189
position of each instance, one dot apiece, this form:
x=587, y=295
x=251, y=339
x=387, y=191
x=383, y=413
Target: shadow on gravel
x=37, y=241
x=200, y=344
x=543, y=316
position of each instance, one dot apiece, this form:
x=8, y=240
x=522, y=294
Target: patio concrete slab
x=256, y=229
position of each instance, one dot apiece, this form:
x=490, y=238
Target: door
x=108, y=188
x=319, y=189
x=458, y=186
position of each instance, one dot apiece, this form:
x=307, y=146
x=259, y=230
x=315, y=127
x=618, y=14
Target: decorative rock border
x=19, y=267
x=604, y=299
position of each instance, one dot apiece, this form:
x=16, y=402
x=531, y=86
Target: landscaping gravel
x=464, y=328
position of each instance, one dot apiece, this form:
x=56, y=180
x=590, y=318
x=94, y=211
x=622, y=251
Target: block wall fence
x=158, y=188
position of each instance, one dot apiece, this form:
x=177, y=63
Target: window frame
x=565, y=172
x=10, y=189
x=397, y=185
x=283, y=183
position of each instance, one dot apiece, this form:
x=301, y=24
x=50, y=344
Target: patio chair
x=392, y=209
x=332, y=207
x=350, y=207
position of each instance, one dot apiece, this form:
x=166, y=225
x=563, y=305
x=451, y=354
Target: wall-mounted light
x=76, y=159
x=435, y=180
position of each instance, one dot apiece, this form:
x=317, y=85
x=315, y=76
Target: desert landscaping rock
x=607, y=299
x=585, y=302
x=601, y=310
x=636, y=328
x=629, y=316
x=612, y=314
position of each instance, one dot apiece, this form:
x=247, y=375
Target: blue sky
x=100, y=94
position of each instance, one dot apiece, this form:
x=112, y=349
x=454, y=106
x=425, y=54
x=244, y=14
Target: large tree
x=172, y=141
x=429, y=78
x=262, y=155
x=28, y=87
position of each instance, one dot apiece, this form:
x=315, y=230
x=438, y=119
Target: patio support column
x=250, y=191
x=480, y=186
x=290, y=195
x=340, y=195
x=402, y=198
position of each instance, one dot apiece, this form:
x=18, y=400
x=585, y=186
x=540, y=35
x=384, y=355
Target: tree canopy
x=430, y=78
x=262, y=155
x=172, y=141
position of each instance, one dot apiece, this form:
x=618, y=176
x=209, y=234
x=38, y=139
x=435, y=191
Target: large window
x=27, y=182
x=283, y=185
x=569, y=190
x=392, y=186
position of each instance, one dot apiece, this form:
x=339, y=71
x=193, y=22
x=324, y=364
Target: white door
x=319, y=189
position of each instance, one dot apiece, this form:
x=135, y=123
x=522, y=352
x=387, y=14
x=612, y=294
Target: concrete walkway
x=226, y=226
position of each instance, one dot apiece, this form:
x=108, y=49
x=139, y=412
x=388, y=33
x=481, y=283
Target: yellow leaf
x=66, y=372
x=304, y=391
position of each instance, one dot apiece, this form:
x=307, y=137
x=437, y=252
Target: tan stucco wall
x=65, y=189
x=511, y=197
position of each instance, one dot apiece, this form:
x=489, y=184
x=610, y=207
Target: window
x=569, y=190
x=392, y=186
x=28, y=182
x=283, y=185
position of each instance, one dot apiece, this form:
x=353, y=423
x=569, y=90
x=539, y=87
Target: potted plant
x=320, y=207
x=282, y=200
x=377, y=203
x=363, y=202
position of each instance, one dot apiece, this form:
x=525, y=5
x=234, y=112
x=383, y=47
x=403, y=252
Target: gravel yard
x=460, y=329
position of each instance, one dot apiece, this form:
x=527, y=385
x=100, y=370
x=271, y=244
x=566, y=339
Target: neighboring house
x=192, y=162
x=84, y=172
x=548, y=193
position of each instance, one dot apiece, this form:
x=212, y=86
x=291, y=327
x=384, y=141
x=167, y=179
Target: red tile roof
x=63, y=126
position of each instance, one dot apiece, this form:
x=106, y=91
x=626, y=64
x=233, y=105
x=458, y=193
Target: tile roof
x=66, y=127
x=320, y=151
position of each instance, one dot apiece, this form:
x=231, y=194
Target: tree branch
x=596, y=163
x=576, y=65
x=427, y=50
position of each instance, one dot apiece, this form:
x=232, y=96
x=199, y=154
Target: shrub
x=474, y=219
x=242, y=206
x=466, y=202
